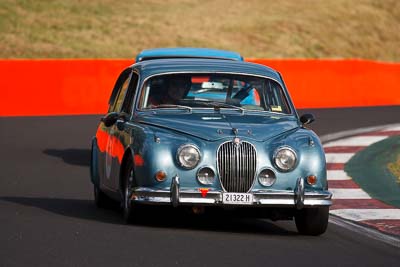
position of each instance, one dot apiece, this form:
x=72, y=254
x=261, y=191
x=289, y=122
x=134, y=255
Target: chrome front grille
x=237, y=166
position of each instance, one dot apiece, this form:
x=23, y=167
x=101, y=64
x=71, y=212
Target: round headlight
x=266, y=177
x=206, y=176
x=285, y=159
x=188, y=156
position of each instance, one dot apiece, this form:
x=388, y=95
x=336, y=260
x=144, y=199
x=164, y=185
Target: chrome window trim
x=134, y=70
x=283, y=88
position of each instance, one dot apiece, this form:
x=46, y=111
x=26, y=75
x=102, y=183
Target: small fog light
x=206, y=176
x=160, y=176
x=311, y=179
x=267, y=177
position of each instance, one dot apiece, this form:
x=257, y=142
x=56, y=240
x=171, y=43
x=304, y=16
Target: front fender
x=311, y=156
x=154, y=152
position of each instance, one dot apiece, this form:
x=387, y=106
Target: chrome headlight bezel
x=270, y=180
x=184, y=148
x=278, y=153
x=204, y=181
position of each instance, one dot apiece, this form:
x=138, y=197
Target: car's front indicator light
x=161, y=176
x=311, y=179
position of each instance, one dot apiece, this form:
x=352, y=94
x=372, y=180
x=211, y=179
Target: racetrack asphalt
x=47, y=215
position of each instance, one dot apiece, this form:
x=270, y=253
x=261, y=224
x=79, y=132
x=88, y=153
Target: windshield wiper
x=218, y=105
x=171, y=106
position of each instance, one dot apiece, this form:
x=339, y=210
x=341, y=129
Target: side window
x=121, y=96
x=123, y=80
x=128, y=102
x=275, y=98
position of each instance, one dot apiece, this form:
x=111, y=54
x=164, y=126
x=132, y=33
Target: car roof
x=187, y=52
x=163, y=66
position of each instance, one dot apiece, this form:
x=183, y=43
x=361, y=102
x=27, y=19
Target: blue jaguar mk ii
x=201, y=128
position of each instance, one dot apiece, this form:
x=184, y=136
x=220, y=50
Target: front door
x=120, y=133
x=111, y=133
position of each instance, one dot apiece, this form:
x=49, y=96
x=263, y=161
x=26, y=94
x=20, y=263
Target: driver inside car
x=177, y=87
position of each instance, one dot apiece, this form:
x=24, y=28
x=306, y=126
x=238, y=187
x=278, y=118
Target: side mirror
x=121, y=121
x=307, y=118
x=110, y=119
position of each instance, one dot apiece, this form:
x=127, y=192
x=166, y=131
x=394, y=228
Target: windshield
x=215, y=91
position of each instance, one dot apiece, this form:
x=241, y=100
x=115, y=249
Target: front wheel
x=312, y=221
x=128, y=207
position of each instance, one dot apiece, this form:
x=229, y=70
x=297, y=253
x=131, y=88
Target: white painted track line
x=338, y=157
x=396, y=128
x=349, y=193
x=349, y=200
x=337, y=175
x=356, y=141
x=368, y=214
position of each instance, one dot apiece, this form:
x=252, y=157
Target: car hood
x=217, y=126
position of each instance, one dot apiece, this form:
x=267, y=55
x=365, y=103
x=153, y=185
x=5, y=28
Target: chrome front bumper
x=298, y=198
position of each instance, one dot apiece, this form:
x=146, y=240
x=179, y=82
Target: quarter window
x=121, y=96
x=127, y=106
x=122, y=83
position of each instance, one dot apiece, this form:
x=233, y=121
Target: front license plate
x=237, y=198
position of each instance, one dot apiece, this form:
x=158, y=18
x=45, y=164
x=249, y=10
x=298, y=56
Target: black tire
x=101, y=199
x=127, y=205
x=312, y=221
